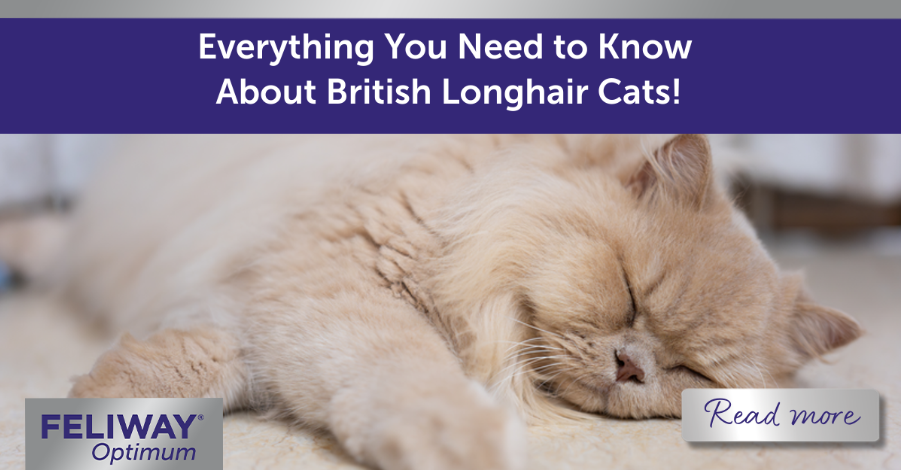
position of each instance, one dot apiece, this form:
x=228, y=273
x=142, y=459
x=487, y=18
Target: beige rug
x=42, y=345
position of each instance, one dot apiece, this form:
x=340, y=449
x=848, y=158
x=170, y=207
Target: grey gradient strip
x=780, y=415
x=450, y=9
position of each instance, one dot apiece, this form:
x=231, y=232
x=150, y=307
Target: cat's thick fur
x=420, y=296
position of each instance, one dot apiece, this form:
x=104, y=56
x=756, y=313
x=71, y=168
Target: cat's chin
x=590, y=397
x=617, y=399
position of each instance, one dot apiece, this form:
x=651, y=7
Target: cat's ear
x=816, y=330
x=680, y=169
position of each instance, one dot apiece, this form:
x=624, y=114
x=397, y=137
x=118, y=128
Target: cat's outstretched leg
x=377, y=374
x=202, y=362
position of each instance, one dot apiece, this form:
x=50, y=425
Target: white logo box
x=123, y=433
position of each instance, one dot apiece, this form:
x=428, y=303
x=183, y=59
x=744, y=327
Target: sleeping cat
x=421, y=297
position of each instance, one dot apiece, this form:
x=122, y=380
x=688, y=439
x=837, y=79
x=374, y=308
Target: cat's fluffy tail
x=29, y=245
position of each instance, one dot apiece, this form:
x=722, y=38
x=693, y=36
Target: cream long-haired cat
x=421, y=297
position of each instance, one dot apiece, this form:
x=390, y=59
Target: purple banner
x=407, y=76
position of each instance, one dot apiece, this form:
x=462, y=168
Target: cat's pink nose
x=627, y=369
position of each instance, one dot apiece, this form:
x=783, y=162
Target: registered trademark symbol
x=200, y=417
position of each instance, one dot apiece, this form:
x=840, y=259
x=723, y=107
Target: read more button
x=780, y=415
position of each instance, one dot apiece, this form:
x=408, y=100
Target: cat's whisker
x=537, y=338
x=538, y=346
x=515, y=358
x=560, y=372
x=535, y=327
x=561, y=341
x=534, y=359
x=573, y=381
x=527, y=348
x=519, y=367
x=760, y=372
x=556, y=392
x=528, y=355
x=775, y=382
x=546, y=379
x=524, y=364
x=536, y=369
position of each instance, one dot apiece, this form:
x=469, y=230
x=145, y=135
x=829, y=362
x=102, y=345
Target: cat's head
x=637, y=281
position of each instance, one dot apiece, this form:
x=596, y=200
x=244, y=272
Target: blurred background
x=835, y=184
x=802, y=192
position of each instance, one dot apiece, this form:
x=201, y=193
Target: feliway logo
x=146, y=433
x=102, y=451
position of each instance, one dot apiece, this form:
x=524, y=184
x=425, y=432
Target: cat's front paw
x=443, y=437
x=115, y=375
x=170, y=364
x=86, y=386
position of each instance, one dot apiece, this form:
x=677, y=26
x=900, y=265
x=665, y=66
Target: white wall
x=36, y=168
x=860, y=166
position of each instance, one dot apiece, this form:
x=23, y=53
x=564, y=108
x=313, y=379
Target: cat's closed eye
x=688, y=370
x=633, y=305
